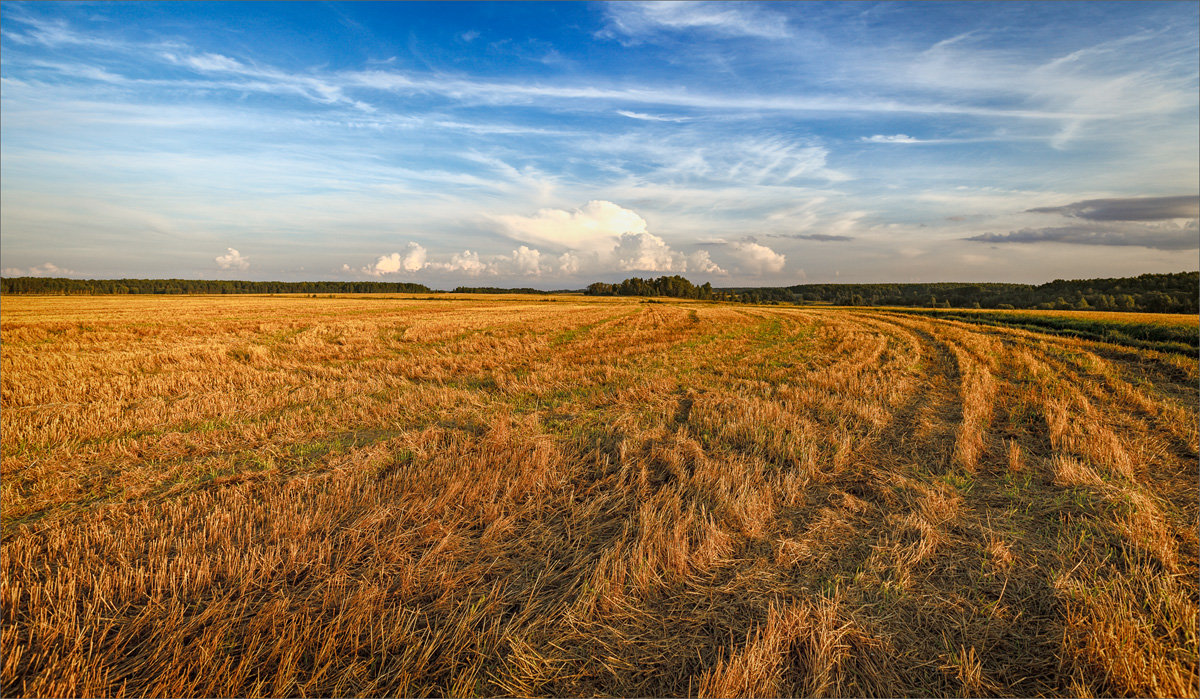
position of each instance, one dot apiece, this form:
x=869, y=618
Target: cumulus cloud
x=527, y=260
x=595, y=226
x=416, y=258
x=700, y=261
x=413, y=259
x=466, y=262
x=1161, y=237
x=232, y=259
x=758, y=259
x=644, y=252
x=568, y=263
x=48, y=269
x=600, y=238
x=1131, y=209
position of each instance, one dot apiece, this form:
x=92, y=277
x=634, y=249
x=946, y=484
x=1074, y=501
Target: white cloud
x=645, y=252
x=523, y=94
x=213, y=62
x=527, y=261
x=600, y=237
x=1131, y=76
x=466, y=262
x=650, y=117
x=700, y=159
x=596, y=226
x=1064, y=135
x=728, y=19
x=55, y=33
x=777, y=161
x=232, y=259
x=568, y=263
x=240, y=77
x=631, y=252
x=897, y=138
x=48, y=269
x=700, y=261
x=412, y=260
x=758, y=259
x=328, y=87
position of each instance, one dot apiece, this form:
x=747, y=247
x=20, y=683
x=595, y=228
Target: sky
x=552, y=145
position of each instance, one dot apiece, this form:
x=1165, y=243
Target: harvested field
x=247, y=496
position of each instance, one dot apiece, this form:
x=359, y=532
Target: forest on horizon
x=1147, y=293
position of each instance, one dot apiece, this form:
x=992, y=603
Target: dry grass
x=286, y=496
x=1186, y=320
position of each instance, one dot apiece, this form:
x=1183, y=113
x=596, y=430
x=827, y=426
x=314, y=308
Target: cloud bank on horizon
x=551, y=144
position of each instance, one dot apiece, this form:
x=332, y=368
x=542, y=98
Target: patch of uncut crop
x=283, y=496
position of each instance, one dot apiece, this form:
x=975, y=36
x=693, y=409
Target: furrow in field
x=615, y=498
x=1090, y=472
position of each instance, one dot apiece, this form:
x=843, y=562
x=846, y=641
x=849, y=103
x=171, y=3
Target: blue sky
x=551, y=145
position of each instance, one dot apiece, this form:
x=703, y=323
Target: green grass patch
x=1161, y=337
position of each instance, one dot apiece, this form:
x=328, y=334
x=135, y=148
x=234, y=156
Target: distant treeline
x=495, y=290
x=674, y=286
x=58, y=285
x=1148, y=293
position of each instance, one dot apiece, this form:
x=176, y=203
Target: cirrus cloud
x=636, y=19
x=881, y=138
x=650, y=117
